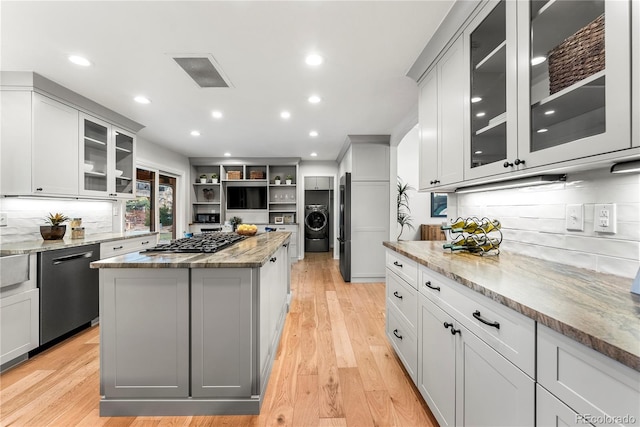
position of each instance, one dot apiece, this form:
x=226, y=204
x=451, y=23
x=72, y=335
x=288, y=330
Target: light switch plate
x=575, y=217
x=3, y=219
x=604, y=218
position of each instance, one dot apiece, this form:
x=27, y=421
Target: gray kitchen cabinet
x=318, y=183
x=144, y=333
x=552, y=412
x=40, y=145
x=441, y=109
x=590, y=383
x=370, y=162
x=221, y=332
x=293, y=243
x=124, y=246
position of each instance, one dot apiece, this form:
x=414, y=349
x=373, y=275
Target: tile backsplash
x=534, y=220
x=25, y=216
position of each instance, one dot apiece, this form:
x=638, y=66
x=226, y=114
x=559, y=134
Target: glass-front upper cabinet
x=491, y=52
x=107, y=159
x=574, y=79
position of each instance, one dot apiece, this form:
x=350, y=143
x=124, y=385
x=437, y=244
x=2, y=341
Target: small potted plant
x=214, y=178
x=277, y=179
x=55, y=230
x=235, y=221
x=289, y=179
x=203, y=178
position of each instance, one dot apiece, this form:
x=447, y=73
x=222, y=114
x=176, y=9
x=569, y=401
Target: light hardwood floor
x=334, y=367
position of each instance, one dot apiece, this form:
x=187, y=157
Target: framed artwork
x=278, y=220
x=438, y=205
x=288, y=218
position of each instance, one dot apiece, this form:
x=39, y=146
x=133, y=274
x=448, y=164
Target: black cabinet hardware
x=395, y=332
x=478, y=316
x=397, y=264
x=455, y=331
x=115, y=248
x=518, y=162
x=273, y=259
x=507, y=164
x=397, y=295
x=448, y=325
x=430, y=286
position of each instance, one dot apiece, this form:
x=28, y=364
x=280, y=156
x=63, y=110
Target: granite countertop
x=595, y=309
x=34, y=246
x=251, y=252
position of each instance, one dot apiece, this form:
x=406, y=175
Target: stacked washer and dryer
x=316, y=228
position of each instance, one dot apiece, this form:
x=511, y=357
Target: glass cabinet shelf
x=495, y=61
x=95, y=141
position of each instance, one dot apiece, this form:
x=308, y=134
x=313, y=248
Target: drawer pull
x=477, y=315
x=115, y=248
x=455, y=331
x=430, y=286
x=395, y=332
x=145, y=242
x=448, y=325
x=397, y=264
x=273, y=259
x=397, y=295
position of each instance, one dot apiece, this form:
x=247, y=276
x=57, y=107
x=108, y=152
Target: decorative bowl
x=118, y=172
x=247, y=232
x=53, y=232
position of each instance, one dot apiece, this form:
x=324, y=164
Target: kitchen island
x=192, y=333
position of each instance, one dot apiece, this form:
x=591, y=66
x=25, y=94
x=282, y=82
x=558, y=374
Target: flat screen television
x=246, y=197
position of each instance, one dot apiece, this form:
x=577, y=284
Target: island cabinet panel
x=144, y=333
x=221, y=332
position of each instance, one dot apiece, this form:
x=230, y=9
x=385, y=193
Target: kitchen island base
x=190, y=341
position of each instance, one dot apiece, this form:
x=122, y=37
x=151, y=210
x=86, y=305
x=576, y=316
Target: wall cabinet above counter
x=528, y=107
x=57, y=143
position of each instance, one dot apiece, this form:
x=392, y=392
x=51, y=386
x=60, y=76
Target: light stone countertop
x=251, y=252
x=595, y=309
x=35, y=246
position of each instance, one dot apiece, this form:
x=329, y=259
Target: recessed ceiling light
x=79, y=60
x=142, y=99
x=478, y=152
x=481, y=114
x=314, y=154
x=313, y=133
x=538, y=60
x=549, y=112
x=217, y=114
x=314, y=99
x=285, y=114
x=543, y=130
x=227, y=154
x=314, y=59
x=195, y=133
x=475, y=99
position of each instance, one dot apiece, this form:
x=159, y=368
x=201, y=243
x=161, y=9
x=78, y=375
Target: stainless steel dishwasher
x=68, y=290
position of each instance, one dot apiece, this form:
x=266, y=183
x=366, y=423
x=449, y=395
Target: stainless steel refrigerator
x=344, y=237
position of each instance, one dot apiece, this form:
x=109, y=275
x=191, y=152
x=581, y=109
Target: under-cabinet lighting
x=626, y=167
x=538, y=60
x=517, y=183
x=475, y=99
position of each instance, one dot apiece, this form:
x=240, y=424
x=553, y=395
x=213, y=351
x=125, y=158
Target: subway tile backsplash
x=25, y=216
x=533, y=220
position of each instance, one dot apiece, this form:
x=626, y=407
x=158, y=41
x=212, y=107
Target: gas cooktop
x=200, y=243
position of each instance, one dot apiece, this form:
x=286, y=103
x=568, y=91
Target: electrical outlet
x=575, y=217
x=3, y=219
x=604, y=218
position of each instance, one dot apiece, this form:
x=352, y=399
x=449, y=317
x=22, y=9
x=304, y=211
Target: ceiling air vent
x=202, y=71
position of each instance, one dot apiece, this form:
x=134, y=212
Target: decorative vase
x=52, y=232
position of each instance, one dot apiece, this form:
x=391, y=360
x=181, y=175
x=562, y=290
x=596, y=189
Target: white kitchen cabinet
x=370, y=161
x=318, y=183
x=39, y=145
x=293, y=242
x=19, y=324
x=551, y=412
x=441, y=112
x=635, y=74
x=587, y=381
x=125, y=246
x=107, y=159
x=592, y=115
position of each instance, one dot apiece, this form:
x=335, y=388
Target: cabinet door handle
x=145, y=243
x=273, y=259
x=507, y=164
x=395, y=332
x=478, y=316
x=397, y=264
x=518, y=162
x=430, y=286
x=397, y=295
x=455, y=331
x=39, y=189
x=447, y=325
x=115, y=248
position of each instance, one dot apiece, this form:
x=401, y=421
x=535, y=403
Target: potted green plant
x=235, y=221
x=55, y=230
x=403, y=211
x=203, y=178
x=214, y=178
x=289, y=179
x=277, y=179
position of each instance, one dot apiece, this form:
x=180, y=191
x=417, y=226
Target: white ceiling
x=260, y=46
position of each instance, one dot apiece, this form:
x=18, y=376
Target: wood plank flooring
x=334, y=368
